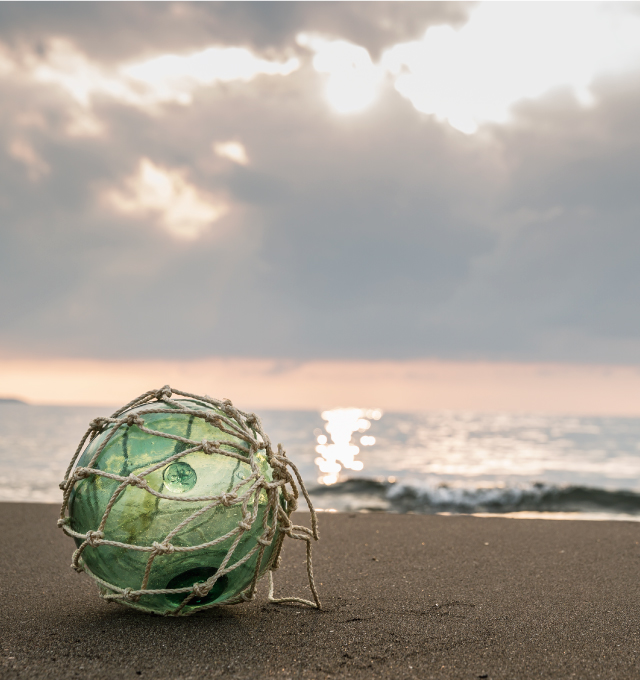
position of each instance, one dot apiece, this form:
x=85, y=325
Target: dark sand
x=404, y=597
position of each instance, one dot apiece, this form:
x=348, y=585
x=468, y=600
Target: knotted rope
x=244, y=426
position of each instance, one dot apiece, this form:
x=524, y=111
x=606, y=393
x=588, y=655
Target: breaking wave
x=369, y=494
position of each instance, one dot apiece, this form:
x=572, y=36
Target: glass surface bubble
x=179, y=477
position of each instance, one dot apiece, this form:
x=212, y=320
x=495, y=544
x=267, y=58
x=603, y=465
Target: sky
x=320, y=182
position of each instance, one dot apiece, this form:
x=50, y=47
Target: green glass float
x=178, y=505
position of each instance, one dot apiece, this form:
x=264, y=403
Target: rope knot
x=162, y=548
x=129, y=596
x=209, y=446
x=201, y=589
x=228, y=407
x=63, y=485
x=245, y=524
x=134, y=480
x=163, y=393
x=133, y=419
x=214, y=420
x=228, y=499
x=93, y=538
x=81, y=473
x=63, y=522
x=98, y=423
x=266, y=542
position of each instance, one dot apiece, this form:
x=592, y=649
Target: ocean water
x=364, y=460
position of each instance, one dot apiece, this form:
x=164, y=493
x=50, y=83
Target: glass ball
x=139, y=518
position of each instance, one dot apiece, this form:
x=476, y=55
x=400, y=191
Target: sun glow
x=354, y=81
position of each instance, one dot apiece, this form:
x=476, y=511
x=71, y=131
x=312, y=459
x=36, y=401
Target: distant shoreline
x=8, y=400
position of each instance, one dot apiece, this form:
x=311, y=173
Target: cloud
x=6, y=63
x=144, y=84
x=179, y=27
x=233, y=151
x=477, y=73
x=380, y=234
x=22, y=151
x=172, y=77
x=177, y=206
x=459, y=72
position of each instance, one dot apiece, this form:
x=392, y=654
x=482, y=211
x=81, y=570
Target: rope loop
x=63, y=522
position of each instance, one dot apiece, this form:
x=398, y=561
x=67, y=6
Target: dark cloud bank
x=378, y=235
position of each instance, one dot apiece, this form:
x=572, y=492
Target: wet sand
x=404, y=596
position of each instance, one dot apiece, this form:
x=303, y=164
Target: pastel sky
x=320, y=182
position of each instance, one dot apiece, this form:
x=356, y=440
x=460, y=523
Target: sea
x=365, y=460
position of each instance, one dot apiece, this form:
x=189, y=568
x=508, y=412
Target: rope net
x=242, y=438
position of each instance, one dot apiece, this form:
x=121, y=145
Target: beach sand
x=404, y=596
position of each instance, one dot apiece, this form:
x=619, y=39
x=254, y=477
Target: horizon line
x=392, y=385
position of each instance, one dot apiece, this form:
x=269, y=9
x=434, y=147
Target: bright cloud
x=22, y=151
x=167, y=78
x=68, y=68
x=354, y=80
x=506, y=52
x=6, y=63
x=233, y=151
x=171, y=77
x=510, y=51
x=179, y=207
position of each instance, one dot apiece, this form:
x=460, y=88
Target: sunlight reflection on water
x=341, y=424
